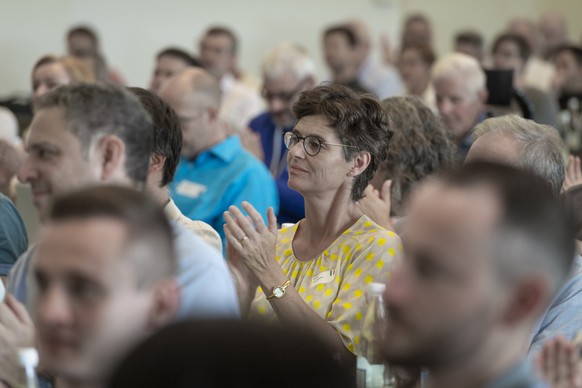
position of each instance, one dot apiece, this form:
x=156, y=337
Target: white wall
x=132, y=31
x=489, y=17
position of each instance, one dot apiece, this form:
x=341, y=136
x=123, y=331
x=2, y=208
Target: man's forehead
x=497, y=148
x=48, y=121
x=176, y=88
x=82, y=238
x=452, y=85
x=450, y=209
x=286, y=81
x=216, y=40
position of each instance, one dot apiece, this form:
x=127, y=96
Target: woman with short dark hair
x=314, y=274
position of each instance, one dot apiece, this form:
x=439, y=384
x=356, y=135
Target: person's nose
x=297, y=150
x=445, y=106
x=40, y=91
x=27, y=173
x=53, y=307
x=276, y=104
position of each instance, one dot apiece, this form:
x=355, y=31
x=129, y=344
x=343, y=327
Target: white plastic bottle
x=28, y=358
x=372, y=371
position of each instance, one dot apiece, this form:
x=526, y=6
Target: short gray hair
x=288, y=57
x=463, y=66
x=93, y=111
x=541, y=147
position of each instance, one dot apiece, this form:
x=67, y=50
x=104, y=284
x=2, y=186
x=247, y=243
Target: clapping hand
x=559, y=364
x=376, y=204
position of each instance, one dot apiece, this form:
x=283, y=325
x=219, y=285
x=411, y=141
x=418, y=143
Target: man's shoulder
x=521, y=375
x=5, y=202
x=17, y=278
x=202, y=230
x=262, y=122
x=206, y=286
x=9, y=211
x=562, y=316
x=192, y=247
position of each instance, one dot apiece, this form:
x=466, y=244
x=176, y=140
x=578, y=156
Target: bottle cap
x=28, y=357
x=377, y=288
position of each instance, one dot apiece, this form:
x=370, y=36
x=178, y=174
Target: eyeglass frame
x=288, y=136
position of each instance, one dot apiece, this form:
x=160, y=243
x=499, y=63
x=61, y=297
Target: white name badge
x=323, y=277
x=190, y=189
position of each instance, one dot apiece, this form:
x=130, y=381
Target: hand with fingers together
x=253, y=241
x=376, y=204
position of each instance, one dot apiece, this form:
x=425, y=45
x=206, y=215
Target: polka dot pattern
x=334, y=284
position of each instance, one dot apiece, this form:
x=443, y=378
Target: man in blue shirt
x=215, y=171
x=487, y=248
x=537, y=148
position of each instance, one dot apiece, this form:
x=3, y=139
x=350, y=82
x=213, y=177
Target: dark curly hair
x=420, y=147
x=358, y=119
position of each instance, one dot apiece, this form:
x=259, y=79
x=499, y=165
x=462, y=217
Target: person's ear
x=112, y=156
x=529, y=300
x=166, y=299
x=212, y=113
x=157, y=162
x=359, y=163
x=483, y=95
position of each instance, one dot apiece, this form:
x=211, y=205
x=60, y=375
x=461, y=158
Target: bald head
x=195, y=96
x=195, y=82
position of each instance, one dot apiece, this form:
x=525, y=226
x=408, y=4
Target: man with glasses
x=287, y=71
x=214, y=171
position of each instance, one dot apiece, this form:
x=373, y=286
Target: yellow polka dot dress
x=334, y=283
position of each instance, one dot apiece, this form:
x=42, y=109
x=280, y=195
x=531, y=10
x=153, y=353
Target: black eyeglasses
x=311, y=144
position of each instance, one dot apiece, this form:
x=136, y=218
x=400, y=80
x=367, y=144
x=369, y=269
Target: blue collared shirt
x=224, y=175
x=563, y=317
x=522, y=375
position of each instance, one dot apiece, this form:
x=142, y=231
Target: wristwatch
x=279, y=292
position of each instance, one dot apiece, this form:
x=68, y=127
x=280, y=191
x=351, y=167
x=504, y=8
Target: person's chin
x=294, y=185
x=42, y=202
x=59, y=358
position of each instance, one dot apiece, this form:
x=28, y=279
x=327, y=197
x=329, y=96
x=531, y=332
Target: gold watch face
x=278, y=292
